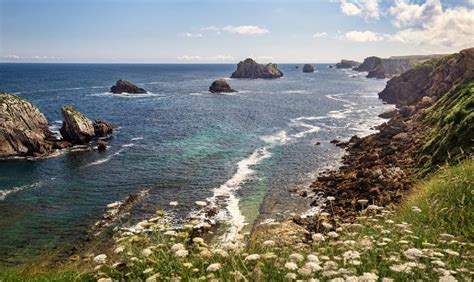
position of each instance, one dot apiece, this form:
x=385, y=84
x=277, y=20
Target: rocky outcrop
x=347, y=64
x=251, y=69
x=431, y=79
x=24, y=129
x=102, y=128
x=77, y=128
x=391, y=67
x=308, y=68
x=124, y=86
x=220, y=86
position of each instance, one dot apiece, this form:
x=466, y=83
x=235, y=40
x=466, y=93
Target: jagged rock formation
x=347, y=64
x=77, y=128
x=220, y=86
x=24, y=129
x=251, y=69
x=102, y=128
x=308, y=68
x=432, y=79
x=124, y=86
x=390, y=67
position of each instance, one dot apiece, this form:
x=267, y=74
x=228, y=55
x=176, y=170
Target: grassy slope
x=452, y=134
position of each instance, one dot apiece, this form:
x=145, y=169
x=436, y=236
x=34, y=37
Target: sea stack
x=347, y=64
x=124, y=86
x=77, y=128
x=308, y=68
x=220, y=86
x=251, y=69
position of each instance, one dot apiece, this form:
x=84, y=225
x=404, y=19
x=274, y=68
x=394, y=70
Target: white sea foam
x=228, y=190
x=136, y=138
x=280, y=137
x=5, y=193
x=336, y=97
x=109, y=157
x=126, y=95
x=295, y=91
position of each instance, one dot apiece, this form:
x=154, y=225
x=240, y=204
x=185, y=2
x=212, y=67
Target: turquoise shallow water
x=179, y=142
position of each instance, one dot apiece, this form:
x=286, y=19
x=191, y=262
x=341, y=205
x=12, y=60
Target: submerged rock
x=102, y=128
x=251, y=69
x=220, y=86
x=76, y=128
x=308, y=68
x=124, y=86
x=101, y=146
x=23, y=129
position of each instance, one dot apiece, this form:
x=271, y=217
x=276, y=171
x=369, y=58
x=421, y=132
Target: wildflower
x=428, y=245
x=205, y=253
x=363, y=201
x=333, y=234
x=325, y=258
x=439, y=263
x=290, y=276
x=318, y=237
x=187, y=264
x=146, y=252
x=389, y=221
x=201, y=203
x=153, y=278
x=330, y=198
x=214, y=267
x=173, y=203
x=177, y=247
x=374, y=207
x=220, y=252
x=351, y=255
x=400, y=268
x=349, y=242
x=355, y=262
x=296, y=257
x=119, y=250
x=252, y=257
x=148, y=270
x=451, y=252
x=170, y=233
x=403, y=242
x=368, y=276
x=268, y=243
x=305, y=271
x=237, y=275
x=447, y=278
x=198, y=240
x=105, y=280
x=337, y=279
x=446, y=235
x=415, y=209
x=313, y=258
x=181, y=253
x=313, y=266
x=387, y=240
x=269, y=255
x=387, y=279
x=100, y=259
x=330, y=265
x=291, y=265
x=327, y=225
x=413, y=253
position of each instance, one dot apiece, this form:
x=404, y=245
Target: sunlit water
x=179, y=142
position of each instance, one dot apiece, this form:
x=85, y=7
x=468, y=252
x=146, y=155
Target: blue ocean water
x=178, y=143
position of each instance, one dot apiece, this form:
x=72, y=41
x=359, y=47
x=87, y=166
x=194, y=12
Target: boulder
x=77, y=128
x=308, y=68
x=389, y=113
x=251, y=69
x=101, y=146
x=220, y=86
x=347, y=64
x=124, y=86
x=23, y=129
x=102, y=128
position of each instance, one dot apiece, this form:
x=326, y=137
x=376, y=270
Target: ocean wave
x=295, y=92
x=126, y=95
x=280, y=137
x=13, y=190
x=336, y=97
x=137, y=138
x=109, y=157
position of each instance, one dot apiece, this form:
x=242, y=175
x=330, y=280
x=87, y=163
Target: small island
x=308, y=68
x=251, y=69
x=124, y=86
x=221, y=86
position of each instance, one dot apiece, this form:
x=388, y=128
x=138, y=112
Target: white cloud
x=320, y=34
x=11, y=56
x=201, y=58
x=363, y=36
x=263, y=58
x=429, y=24
x=241, y=29
x=189, y=58
x=190, y=35
x=369, y=9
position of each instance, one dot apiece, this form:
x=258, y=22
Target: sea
x=241, y=151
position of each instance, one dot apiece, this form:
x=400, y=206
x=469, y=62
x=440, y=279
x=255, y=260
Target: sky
x=227, y=31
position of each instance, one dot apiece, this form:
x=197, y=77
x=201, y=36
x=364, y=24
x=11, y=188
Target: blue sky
x=146, y=31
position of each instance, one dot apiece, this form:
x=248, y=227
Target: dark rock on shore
x=220, y=86
x=77, y=128
x=124, y=86
x=101, y=146
x=24, y=129
x=102, y=128
x=347, y=64
x=308, y=68
x=251, y=69
x=389, y=114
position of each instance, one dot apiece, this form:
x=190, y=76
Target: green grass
x=19, y=275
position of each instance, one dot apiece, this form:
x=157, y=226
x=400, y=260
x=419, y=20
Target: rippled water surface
x=179, y=142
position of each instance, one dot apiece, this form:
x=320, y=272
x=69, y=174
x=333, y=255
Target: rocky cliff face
x=23, y=129
x=77, y=128
x=432, y=78
x=251, y=69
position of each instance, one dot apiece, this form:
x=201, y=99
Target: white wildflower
x=313, y=265
x=413, y=253
x=214, y=267
x=400, y=268
x=170, y=233
x=201, y=203
x=451, y=252
x=330, y=198
x=333, y=234
x=318, y=237
x=351, y=255
x=252, y=257
x=181, y=253
x=305, y=271
x=327, y=225
x=173, y=203
x=313, y=258
x=198, y=240
x=220, y=252
x=268, y=243
x=177, y=247
x=100, y=259
x=368, y=277
x=290, y=276
x=146, y=252
x=119, y=250
x=291, y=266
x=296, y=257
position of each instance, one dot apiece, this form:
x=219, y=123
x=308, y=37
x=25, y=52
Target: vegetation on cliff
x=452, y=128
